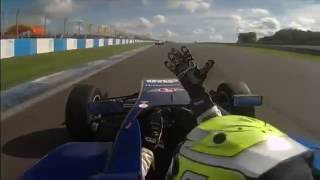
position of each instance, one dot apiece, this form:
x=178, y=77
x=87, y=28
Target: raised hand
x=182, y=65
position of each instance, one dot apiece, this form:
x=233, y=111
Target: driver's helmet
x=238, y=148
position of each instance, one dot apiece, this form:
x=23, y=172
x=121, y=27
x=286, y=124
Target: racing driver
x=197, y=165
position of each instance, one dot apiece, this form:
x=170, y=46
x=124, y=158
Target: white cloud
x=190, y=5
x=256, y=20
x=270, y=23
x=216, y=37
x=198, y=31
x=303, y=23
x=303, y=18
x=212, y=30
x=57, y=8
x=141, y=25
x=254, y=12
x=158, y=19
x=260, y=12
x=145, y=2
x=169, y=33
x=296, y=25
x=166, y=35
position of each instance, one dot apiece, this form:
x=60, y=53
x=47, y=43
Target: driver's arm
x=182, y=65
x=152, y=128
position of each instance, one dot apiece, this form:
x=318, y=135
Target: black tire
x=78, y=119
x=224, y=98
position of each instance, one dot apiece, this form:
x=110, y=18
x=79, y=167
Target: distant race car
x=159, y=43
x=108, y=134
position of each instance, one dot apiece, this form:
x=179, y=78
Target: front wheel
x=224, y=98
x=80, y=123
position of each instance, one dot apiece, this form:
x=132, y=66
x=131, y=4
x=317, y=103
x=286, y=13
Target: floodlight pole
x=90, y=29
x=79, y=27
x=45, y=24
x=17, y=21
x=64, y=26
x=105, y=31
x=3, y=10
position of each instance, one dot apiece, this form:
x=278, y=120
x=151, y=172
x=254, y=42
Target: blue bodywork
x=316, y=149
x=117, y=160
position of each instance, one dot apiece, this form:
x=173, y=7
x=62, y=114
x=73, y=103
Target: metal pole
x=3, y=14
x=45, y=24
x=79, y=27
x=17, y=21
x=64, y=26
x=90, y=29
x=99, y=27
x=105, y=31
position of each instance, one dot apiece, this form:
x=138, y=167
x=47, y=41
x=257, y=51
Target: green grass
x=262, y=50
x=282, y=53
x=17, y=70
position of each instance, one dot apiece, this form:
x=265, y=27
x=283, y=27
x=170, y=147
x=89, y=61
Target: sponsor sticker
x=143, y=104
x=166, y=90
x=162, y=81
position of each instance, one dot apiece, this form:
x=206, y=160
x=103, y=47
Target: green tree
x=250, y=37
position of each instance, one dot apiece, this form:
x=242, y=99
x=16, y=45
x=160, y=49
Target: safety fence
x=29, y=46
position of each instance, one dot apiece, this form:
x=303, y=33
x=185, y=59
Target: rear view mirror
x=242, y=100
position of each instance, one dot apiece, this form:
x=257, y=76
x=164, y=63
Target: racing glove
x=182, y=65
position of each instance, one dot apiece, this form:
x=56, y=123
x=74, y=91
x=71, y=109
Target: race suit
x=202, y=106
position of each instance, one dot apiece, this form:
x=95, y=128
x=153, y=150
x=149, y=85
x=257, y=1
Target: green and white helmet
x=233, y=148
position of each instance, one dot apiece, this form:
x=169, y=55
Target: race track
x=290, y=89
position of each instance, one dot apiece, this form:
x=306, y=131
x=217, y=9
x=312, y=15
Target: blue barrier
x=105, y=42
x=81, y=43
x=31, y=46
x=25, y=47
x=60, y=45
x=96, y=43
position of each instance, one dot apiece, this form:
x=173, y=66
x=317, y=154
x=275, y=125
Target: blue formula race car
x=108, y=133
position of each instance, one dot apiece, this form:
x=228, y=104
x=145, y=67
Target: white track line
x=19, y=108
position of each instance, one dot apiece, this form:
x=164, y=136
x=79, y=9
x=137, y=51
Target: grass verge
x=282, y=53
x=17, y=70
x=265, y=50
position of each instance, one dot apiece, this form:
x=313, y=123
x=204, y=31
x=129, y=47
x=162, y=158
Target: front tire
x=78, y=119
x=224, y=98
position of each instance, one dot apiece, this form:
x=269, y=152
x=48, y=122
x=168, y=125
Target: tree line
x=284, y=36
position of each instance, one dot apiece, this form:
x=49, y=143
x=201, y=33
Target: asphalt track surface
x=290, y=89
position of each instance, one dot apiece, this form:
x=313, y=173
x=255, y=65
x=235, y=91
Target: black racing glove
x=153, y=127
x=182, y=65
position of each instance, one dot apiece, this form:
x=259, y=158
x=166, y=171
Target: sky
x=174, y=20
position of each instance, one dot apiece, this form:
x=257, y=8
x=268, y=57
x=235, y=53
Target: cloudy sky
x=179, y=20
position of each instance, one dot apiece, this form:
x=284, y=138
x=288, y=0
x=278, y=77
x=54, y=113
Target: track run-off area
x=290, y=87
